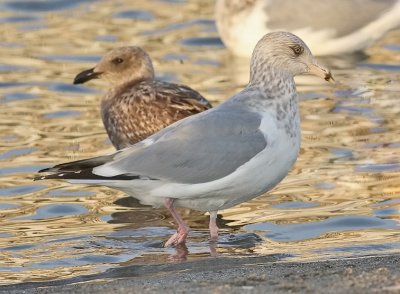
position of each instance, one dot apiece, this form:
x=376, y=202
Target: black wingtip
x=47, y=169
x=38, y=178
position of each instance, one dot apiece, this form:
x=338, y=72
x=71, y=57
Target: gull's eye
x=297, y=49
x=117, y=60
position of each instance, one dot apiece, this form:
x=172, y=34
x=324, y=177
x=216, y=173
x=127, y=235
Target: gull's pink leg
x=213, y=225
x=183, y=230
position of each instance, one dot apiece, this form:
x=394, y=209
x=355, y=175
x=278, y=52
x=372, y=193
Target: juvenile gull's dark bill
x=136, y=105
x=219, y=158
x=328, y=27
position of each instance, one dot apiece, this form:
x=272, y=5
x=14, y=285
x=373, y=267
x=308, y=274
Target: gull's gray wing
x=199, y=149
x=343, y=17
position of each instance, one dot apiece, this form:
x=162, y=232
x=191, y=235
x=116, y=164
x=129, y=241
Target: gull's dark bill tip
x=85, y=76
x=329, y=77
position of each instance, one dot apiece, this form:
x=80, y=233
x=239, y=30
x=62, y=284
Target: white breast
x=254, y=178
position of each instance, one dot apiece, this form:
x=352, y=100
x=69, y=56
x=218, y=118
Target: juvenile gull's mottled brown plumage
x=137, y=105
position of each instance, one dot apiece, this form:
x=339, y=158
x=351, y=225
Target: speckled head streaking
x=119, y=66
x=285, y=53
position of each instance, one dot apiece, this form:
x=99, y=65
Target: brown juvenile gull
x=329, y=27
x=136, y=105
x=221, y=157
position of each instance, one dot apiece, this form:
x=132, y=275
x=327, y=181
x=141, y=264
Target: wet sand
x=264, y=274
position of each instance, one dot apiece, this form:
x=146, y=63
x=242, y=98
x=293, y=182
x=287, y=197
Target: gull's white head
x=285, y=52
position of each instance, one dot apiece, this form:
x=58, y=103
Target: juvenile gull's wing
x=146, y=108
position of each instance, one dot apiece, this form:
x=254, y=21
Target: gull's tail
x=81, y=171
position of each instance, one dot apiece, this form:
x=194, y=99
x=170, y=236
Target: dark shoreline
x=262, y=274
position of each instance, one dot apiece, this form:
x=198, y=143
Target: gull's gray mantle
x=220, y=157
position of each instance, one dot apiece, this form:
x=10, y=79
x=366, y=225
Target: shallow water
x=342, y=198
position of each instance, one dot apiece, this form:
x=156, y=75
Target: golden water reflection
x=341, y=199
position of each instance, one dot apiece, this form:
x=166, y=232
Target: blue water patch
x=135, y=14
x=295, y=205
x=33, y=6
x=169, y=77
x=84, y=260
x=393, y=47
x=154, y=232
x=21, y=190
x=310, y=96
x=12, y=84
x=107, y=38
x=344, y=93
x=19, y=247
x=61, y=192
x=378, y=130
x=106, y=218
x=175, y=57
x=385, y=67
x=55, y=210
x=344, y=108
x=18, y=96
x=14, y=269
x=62, y=87
x=378, y=167
x=208, y=62
x=11, y=45
x=341, y=153
x=203, y=42
x=240, y=240
x=19, y=18
x=61, y=114
x=71, y=58
x=21, y=169
x=8, y=138
x=32, y=26
x=304, y=231
x=14, y=68
x=386, y=212
x=209, y=26
x=387, y=202
x=363, y=248
x=5, y=235
x=205, y=24
x=325, y=186
x=8, y=206
x=16, y=152
x=382, y=145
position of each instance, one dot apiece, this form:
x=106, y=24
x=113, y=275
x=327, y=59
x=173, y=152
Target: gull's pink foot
x=179, y=237
x=183, y=230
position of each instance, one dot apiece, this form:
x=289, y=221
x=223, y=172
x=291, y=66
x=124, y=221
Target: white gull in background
x=328, y=27
x=221, y=157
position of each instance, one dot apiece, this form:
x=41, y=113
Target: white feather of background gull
x=329, y=27
x=221, y=157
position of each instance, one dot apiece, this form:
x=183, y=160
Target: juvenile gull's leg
x=183, y=230
x=213, y=225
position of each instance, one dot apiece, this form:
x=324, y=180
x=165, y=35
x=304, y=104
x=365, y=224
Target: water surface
x=340, y=200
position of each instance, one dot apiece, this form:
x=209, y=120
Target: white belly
x=254, y=178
